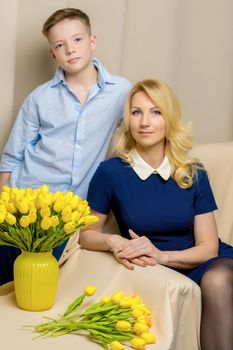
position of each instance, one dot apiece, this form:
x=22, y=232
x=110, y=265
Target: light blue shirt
x=60, y=142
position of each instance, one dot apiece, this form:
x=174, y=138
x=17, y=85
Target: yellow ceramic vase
x=35, y=280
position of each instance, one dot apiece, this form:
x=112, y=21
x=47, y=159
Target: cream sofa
x=174, y=299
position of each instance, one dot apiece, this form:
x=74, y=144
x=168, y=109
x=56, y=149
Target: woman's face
x=146, y=123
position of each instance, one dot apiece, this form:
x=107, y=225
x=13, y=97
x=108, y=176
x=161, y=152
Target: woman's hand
x=116, y=244
x=141, y=247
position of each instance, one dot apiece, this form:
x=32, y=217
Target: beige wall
x=186, y=43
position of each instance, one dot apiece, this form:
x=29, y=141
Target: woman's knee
x=217, y=280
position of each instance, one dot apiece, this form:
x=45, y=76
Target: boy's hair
x=66, y=13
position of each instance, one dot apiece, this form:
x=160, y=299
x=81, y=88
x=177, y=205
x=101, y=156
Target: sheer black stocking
x=217, y=306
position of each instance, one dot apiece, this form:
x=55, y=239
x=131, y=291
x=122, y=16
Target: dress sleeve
x=99, y=194
x=204, y=201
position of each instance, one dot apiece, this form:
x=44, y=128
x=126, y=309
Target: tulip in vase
x=36, y=221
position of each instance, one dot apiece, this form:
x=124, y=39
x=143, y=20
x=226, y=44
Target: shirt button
x=77, y=146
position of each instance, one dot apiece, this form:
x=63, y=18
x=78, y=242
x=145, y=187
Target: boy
x=65, y=125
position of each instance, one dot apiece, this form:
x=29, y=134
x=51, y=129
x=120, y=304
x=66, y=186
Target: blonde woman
x=163, y=203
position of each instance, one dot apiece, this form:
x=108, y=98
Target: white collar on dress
x=144, y=170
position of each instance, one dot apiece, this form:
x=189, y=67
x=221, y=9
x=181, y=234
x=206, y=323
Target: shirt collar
x=103, y=76
x=144, y=170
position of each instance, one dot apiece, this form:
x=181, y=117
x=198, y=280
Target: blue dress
x=154, y=207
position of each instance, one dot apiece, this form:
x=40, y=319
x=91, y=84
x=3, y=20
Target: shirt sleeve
x=24, y=131
x=99, y=194
x=204, y=201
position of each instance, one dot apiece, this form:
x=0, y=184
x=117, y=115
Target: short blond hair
x=66, y=13
x=178, y=136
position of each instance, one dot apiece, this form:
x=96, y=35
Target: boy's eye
x=58, y=46
x=77, y=39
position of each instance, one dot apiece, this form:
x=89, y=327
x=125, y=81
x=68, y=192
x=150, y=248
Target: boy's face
x=71, y=45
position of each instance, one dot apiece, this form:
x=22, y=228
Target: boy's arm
x=4, y=177
x=25, y=131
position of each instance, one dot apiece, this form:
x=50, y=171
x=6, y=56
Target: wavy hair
x=178, y=140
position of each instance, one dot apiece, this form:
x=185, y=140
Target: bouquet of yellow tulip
x=36, y=220
x=113, y=322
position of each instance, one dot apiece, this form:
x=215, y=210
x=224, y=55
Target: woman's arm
x=93, y=238
x=206, y=246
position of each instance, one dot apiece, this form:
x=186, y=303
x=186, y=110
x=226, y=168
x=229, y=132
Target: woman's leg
x=217, y=306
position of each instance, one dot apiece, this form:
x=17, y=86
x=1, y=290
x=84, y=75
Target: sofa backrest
x=218, y=160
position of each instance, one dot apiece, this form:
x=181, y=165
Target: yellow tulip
x=40, y=201
x=74, y=202
x=90, y=290
x=6, y=189
x=146, y=310
x=138, y=343
x=67, y=210
x=11, y=208
x=5, y=196
x=87, y=211
x=116, y=297
x=3, y=209
x=23, y=207
x=145, y=319
x=24, y=221
x=82, y=206
x=116, y=345
x=10, y=219
x=124, y=326
x=43, y=189
x=58, y=206
x=54, y=220
x=66, y=217
x=148, y=337
x=45, y=223
x=105, y=299
x=135, y=300
x=70, y=227
x=57, y=196
x=137, y=312
x=32, y=216
x=32, y=207
x=80, y=222
x=140, y=328
x=90, y=219
x=75, y=216
x=125, y=302
x=45, y=211
x=67, y=197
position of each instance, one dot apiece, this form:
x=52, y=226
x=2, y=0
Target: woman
x=163, y=203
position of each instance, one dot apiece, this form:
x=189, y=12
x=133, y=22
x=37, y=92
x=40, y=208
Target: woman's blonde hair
x=178, y=136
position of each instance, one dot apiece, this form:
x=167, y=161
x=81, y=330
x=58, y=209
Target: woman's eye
x=135, y=112
x=156, y=112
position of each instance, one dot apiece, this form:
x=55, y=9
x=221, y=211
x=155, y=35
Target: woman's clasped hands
x=135, y=251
